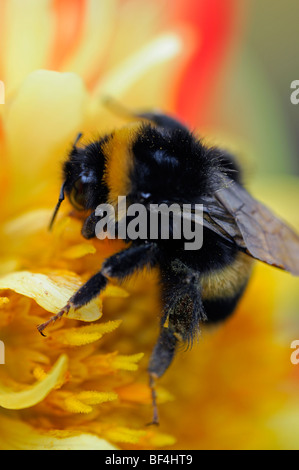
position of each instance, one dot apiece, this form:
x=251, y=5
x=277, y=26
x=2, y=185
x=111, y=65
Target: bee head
x=82, y=177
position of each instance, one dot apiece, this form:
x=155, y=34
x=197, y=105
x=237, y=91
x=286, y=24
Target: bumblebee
x=157, y=159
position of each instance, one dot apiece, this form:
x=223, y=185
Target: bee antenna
x=61, y=198
x=77, y=139
x=116, y=107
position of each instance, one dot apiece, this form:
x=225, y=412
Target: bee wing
x=216, y=219
x=255, y=228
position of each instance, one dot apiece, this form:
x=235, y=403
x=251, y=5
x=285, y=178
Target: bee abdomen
x=222, y=289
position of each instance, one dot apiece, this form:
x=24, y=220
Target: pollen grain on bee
x=151, y=222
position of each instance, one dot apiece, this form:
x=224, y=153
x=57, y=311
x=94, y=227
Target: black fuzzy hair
x=174, y=164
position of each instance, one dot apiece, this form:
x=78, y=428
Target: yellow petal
x=17, y=435
x=127, y=73
x=161, y=440
x=78, y=251
x=3, y=301
x=285, y=424
x=93, y=45
x=27, y=223
x=50, y=291
x=57, y=105
x=124, y=43
x=114, y=291
x=37, y=392
x=84, y=334
x=8, y=265
x=33, y=22
x=122, y=434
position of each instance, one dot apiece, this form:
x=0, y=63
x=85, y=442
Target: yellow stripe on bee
x=227, y=282
x=118, y=152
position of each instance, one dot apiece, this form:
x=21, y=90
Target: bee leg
x=126, y=262
x=89, y=226
x=160, y=360
x=120, y=265
x=182, y=313
x=53, y=319
x=82, y=296
x=152, y=384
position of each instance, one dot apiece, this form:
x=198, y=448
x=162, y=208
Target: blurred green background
x=252, y=102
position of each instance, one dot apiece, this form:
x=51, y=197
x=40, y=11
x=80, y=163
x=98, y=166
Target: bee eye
x=76, y=196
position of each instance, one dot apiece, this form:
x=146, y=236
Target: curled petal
x=37, y=392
